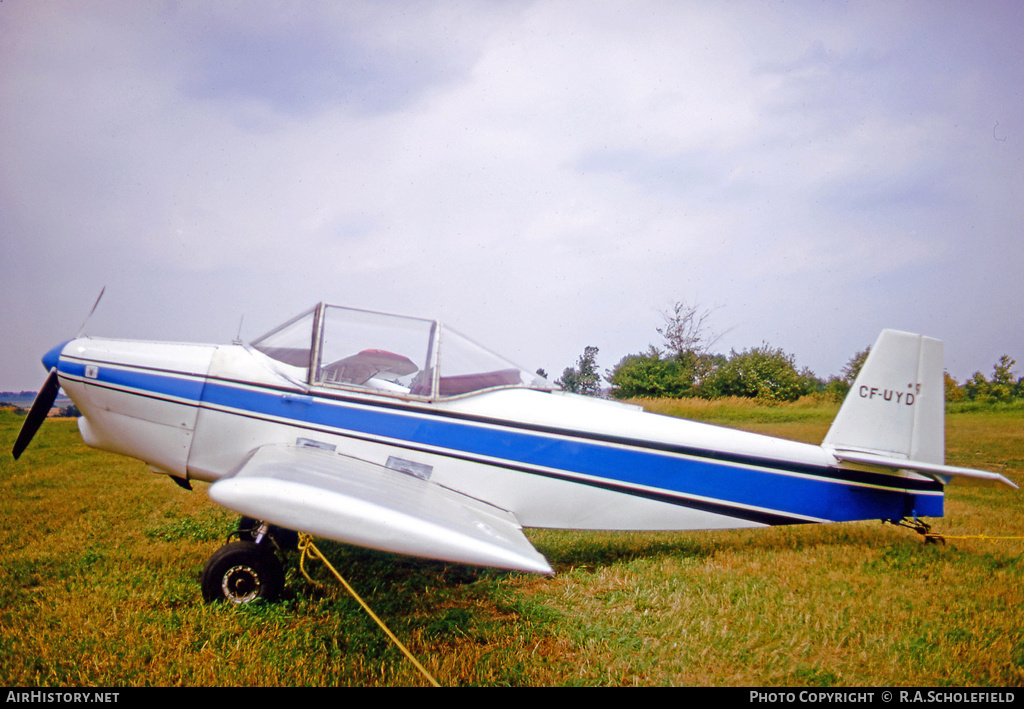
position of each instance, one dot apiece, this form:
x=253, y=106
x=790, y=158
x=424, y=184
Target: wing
x=350, y=500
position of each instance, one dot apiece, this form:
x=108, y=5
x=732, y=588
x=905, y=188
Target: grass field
x=99, y=561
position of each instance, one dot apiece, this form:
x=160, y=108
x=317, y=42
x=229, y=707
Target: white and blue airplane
x=399, y=434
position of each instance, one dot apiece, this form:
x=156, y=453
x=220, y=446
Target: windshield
x=387, y=354
x=290, y=344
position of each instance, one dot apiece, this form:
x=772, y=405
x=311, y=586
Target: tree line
x=686, y=367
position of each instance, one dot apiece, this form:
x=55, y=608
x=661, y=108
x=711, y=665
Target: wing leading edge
x=350, y=500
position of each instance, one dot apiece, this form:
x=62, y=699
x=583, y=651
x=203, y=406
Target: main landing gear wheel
x=242, y=572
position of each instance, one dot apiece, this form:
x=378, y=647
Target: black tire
x=286, y=539
x=242, y=572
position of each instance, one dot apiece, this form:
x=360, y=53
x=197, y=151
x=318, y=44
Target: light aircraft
x=399, y=434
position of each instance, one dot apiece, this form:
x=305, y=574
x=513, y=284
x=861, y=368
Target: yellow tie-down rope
x=307, y=547
x=979, y=537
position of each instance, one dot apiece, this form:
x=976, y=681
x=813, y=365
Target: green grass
x=99, y=561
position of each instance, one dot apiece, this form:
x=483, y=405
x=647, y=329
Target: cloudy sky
x=543, y=176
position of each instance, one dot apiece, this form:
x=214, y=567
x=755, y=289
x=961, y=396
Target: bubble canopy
x=393, y=355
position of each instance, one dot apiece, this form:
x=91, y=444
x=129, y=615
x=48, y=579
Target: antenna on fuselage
x=238, y=337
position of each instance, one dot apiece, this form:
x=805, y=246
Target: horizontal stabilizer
x=350, y=500
x=942, y=473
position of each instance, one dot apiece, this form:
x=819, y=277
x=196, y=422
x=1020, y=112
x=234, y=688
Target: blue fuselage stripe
x=780, y=492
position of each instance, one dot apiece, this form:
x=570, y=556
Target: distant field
x=99, y=561
x=24, y=399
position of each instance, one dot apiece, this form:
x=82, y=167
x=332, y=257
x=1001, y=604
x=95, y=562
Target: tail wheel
x=242, y=572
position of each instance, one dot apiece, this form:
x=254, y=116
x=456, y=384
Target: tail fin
x=895, y=414
x=896, y=407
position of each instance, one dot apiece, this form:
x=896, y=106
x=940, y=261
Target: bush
x=760, y=373
x=1001, y=387
x=649, y=375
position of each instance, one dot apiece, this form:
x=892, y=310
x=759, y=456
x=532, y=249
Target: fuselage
x=552, y=459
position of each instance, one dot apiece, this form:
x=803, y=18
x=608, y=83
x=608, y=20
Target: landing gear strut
x=249, y=529
x=922, y=528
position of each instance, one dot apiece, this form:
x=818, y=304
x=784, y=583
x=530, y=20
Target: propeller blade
x=94, y=306
x=37, y=414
